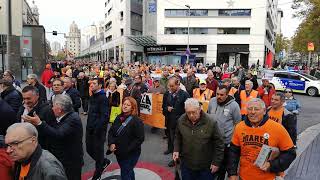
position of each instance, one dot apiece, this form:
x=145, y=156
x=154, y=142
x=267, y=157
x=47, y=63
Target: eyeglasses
x=15, y=144
x=288, y=92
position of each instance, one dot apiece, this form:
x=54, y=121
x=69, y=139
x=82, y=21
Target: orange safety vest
x=205, y=96
x=244, y=100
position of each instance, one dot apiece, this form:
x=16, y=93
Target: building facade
x=226, y=31
x=73, y=40
x=55, y=48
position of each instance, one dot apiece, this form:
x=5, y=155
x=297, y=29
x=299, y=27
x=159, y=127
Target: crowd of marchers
x=41, y=130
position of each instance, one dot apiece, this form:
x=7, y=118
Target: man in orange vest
x=246, y=95
x=203, y=93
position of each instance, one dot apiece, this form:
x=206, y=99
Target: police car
x=297, y=81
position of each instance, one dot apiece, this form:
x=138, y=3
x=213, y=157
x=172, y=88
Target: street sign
x=310, y=46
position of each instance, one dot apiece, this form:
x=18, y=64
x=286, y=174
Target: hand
x=112, y=148
x=33, y=120
x=175, y=156
x=265, y=166
x=233, y=178
x=170, y=108
x=214, y=168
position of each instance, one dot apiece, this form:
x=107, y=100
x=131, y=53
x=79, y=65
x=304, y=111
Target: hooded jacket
x=228, y=115
x=12, y=97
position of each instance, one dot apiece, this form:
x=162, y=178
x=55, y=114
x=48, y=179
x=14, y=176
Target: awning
x=143, y=40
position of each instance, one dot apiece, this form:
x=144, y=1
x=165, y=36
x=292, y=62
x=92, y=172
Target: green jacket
x=199, y=145
x=164, y=82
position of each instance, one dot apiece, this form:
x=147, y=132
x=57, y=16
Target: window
x=105, y=4
x=234, y=12
x=184, y=30
x=295, y=77
x=106, y=15
x=185, y=12
x=121, y=31
x=121, y=15
x=109, y=38
x=108, y=26
x=233, y=30
x=109, y=11
x=281, y=75
x=137, y=1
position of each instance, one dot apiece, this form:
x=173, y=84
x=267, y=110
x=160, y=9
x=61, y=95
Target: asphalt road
x=154, y=145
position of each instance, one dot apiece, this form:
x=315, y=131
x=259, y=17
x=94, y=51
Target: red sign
x=310, y=46
x=26, y=41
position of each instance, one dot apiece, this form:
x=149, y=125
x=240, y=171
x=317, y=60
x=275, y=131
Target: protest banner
x=154, y=117
x=115, y=111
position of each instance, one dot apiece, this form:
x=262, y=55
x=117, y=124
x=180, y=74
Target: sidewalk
x=307, y=164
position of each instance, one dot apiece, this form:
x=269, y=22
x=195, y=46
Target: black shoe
x=171, y=164
x=167, y=152
x=98, y=173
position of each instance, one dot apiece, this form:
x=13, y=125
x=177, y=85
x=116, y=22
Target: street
x=154, y=146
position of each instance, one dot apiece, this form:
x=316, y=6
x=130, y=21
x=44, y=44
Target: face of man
x=276, y=102
x=31, y=81
x=156, y=83
x=30, y=99
x=193, y=113
x=57, y=110
x=57, y=87
x=203, y=86
x=137, y=79
x=165, y=73
x=173, y=87
x=95, y=86
x=20, y=144
x=255, y=112
x=189, y=73
x=210, y=75
x=221, y=95
x=7, y=76
x=67, y=83
x=265, y=82
x=248, y=86
x=235, y=82
x=227, y=83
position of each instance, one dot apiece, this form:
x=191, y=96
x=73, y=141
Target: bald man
x=30, y=160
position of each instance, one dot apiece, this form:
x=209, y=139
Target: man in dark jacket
x=32, y=80
x=64, y=135
x=252, y=135
x=10, y=94
x=173, y=108
x=280, y=114
x=190, y=82
x=97, y=125
x=73, y=93
x=138, y=89
x=201, y=153
x=31, y=161
x=33, y=106
x=83, y=88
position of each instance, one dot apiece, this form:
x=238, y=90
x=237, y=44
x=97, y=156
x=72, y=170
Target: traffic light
x=54, y=33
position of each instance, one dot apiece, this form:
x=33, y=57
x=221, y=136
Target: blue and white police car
x=297, y=81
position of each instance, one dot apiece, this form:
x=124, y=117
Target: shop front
x=175, y=54
x=233, y=54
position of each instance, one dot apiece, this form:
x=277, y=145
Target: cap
x=156, y=78
x=202, y=81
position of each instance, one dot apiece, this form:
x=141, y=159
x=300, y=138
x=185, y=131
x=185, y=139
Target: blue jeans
x=127, y=165
x=188, y=174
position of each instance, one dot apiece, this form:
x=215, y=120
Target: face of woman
x=126, y=107
x=288, y=93
x=112, y=87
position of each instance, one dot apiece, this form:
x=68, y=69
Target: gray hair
x=192, y=102
x=64, y=101
x=259, y=101
x=32, y=76
x=249, y=82
x=31, y=130
x=281, y=95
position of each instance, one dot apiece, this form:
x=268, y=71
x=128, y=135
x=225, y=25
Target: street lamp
x=188, y=48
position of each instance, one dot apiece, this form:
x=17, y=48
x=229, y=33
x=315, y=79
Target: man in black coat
x=83, y=88
x=137, y=90
x=32, y=80
x=7, y=118
x=64, y=135
x=73, y=93
x=173, y=108
x=97, y=125
x=10, y=94
x=32, y=105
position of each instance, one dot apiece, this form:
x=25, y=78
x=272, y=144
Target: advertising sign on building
x=152, y=6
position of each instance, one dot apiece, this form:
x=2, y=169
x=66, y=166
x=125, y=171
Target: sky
x=58, y=15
